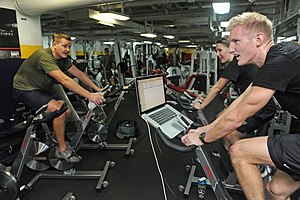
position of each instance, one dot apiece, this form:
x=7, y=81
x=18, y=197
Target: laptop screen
x=150, y=92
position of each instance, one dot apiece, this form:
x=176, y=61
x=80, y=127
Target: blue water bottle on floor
x=201, y=187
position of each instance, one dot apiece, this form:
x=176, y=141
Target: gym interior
x=124, y=155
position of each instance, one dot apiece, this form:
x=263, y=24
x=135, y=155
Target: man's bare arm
x=254, y=100
x=83, y=78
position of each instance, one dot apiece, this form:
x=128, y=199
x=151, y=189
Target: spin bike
x=96, y=122
x=230, y=183
x=42, y=153
x=64, y=168
x=97, y=131
x=9, y=179
x=203, y=158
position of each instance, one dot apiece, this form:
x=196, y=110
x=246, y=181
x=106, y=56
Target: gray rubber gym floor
x=135, y=177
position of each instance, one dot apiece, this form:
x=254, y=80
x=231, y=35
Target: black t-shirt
x=241, y=77
x=281, y=72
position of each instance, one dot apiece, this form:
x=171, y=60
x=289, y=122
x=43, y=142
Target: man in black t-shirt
x=279, y=75
x=241, y=77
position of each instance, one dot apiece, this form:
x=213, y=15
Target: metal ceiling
x=185, y=19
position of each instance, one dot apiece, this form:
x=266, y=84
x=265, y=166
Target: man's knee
x=274, y=190
x=54, y=105
x=236, y=152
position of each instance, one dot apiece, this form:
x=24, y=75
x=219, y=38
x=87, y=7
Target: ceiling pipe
x=36, y=7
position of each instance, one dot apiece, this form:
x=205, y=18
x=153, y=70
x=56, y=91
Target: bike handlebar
x=172, y=145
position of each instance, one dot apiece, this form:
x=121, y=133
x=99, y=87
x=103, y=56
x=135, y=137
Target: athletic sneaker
x=68, y=154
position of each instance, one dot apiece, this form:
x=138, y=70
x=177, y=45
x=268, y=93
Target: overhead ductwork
x=38, y=7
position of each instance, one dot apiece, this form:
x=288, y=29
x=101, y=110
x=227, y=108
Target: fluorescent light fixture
x=113, y=15
x=108, y=18
x=106, y=23
x=184, y=41
x=158, y=43
x=224, y=24
x=224, y=33
x=221, y=8
x=191, y=46
x=147, y=42
x=169, y=36
x=148, y=35
x=109, y=42
x=73, y=38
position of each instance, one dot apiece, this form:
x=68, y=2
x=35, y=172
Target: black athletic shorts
x=35, y=98
x=284, y=151
x=260, y=118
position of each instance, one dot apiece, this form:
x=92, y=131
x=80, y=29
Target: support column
x=118, y=60
x=132, y=60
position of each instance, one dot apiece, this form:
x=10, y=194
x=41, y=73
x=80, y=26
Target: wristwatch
x=202, y=138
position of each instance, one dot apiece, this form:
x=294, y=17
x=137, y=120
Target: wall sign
x=9, y=38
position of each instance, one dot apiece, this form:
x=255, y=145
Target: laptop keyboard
x=162, y=116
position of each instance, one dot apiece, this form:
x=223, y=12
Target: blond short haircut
x=58, y=36
x=253, y=22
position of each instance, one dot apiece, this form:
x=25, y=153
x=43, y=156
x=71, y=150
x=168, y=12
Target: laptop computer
x=153, y=108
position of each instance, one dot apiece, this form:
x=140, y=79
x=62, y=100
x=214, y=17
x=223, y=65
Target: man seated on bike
x=251, y=36
x=33, y=82
x=241, y=77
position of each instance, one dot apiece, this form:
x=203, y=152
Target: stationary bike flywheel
x=9, y=187
x=97, y=132
x=58, y=164
x=35, y=159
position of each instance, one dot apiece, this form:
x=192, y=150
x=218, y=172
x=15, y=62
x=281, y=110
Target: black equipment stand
x=73, y=174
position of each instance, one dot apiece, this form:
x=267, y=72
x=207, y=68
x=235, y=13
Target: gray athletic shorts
x=284, y=151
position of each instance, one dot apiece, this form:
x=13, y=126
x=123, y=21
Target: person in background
x=33, y=82
x=251, y=36
x=140, y=66
x=108, y=65
x=241, y=77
